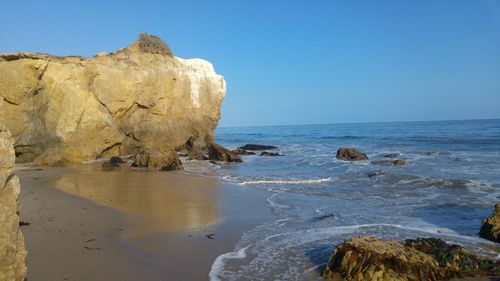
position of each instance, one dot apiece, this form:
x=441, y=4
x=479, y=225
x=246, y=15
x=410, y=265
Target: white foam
x=291, y=181
x=271, y=202
x=219, y=262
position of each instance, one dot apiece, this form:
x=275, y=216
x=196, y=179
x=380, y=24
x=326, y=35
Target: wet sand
x=87, y=223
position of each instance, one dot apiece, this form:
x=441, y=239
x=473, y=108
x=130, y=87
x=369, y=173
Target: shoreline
x=130, y=224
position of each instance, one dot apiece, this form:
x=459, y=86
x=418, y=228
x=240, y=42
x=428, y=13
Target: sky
x=298, y=62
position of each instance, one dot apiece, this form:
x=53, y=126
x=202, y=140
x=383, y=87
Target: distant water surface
x=450, y=182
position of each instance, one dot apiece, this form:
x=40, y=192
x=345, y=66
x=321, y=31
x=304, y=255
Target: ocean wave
x=219, y=262
x=287, y=181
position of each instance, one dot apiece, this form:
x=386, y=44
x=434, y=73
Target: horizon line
x=366, y=122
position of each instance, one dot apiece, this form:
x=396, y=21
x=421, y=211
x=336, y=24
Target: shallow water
x=450, y=182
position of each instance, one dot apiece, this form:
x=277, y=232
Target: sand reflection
x=158, y=202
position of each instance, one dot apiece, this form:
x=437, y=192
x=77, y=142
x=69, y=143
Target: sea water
x=451, y=181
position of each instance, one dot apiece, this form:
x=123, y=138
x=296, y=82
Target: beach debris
x=369, y=258
x=92, y=248
x=24, y=223
x=265, y=153
x=90, y=240
x=210, y=236
x=241, y=151
x=256, y=147
x=490, y=228
x=218, y=153
x=350, y=154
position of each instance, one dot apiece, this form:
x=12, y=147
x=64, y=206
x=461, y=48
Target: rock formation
x=491, y=226
x=368, y=258
x=241, y=151
x=256, y=147
x=12, y=251
x=219, y=153
x=72, y=109
x=266, y=153
x=155, y=159
x=350, y=154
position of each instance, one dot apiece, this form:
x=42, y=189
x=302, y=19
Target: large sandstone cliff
x=12, y=251
x=72, y=109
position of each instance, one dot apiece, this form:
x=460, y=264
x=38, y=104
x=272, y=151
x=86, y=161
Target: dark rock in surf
x=490, y=228
x=265, y=153
x=350, y=154
x=369, y=258
x=391, y=155
x=397, y=162
x=219, y=153
x=375, y=173
x=114, y=161
x=256, y=147
x=241, y=151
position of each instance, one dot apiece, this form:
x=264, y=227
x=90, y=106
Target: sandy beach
x=86, y=223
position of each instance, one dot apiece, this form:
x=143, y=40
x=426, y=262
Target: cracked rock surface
x=73, y=109
x=12, y=250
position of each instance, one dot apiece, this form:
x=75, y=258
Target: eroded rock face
x=12, y=250
x=491, y=226
x=72, y=109
x=219, y=153
x=164, y=161
x=368, y=258
x=350, y=154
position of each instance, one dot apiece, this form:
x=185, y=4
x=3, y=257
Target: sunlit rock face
x=12, y=251
x=72, y=109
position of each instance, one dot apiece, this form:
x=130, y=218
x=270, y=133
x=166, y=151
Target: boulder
x=12, y=249
x=163, y=161
x=490, y=228
x=265, y=153
x=368, y=258
x=350, y=154
x=241, y=151
x=256, y=147
x=219, y=153
x=114, y=161
x=74, y=109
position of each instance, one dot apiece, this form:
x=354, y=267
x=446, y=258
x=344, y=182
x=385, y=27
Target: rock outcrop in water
x=368, y=258
x=491, y=226
x=72, y=109
x=12, y=251
x=350, y=154
x=256, y=147
x=397, y=162
x=219, y=153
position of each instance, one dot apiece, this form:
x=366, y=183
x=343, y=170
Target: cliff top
x=146, y=43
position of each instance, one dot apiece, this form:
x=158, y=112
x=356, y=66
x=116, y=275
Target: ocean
x=450, y=182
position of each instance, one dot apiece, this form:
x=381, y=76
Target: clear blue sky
x=298, y=62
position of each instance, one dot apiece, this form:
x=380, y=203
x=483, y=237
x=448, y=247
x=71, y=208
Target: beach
x=89, y=223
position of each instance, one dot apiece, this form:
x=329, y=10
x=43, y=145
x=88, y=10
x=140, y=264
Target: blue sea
x=450, y=182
